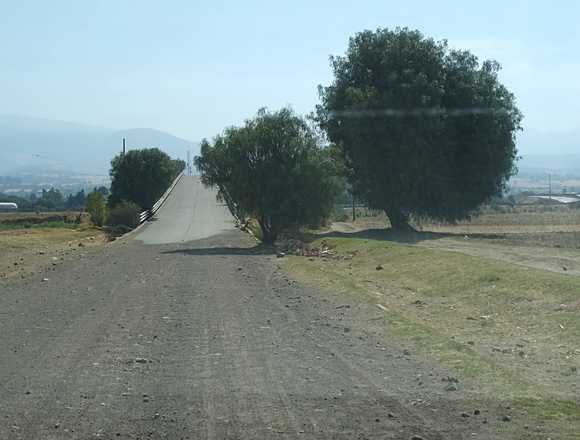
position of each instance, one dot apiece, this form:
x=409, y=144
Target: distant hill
x=33, y=145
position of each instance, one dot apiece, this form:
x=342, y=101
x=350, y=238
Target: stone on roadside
x=451, y=379
x=451, y=387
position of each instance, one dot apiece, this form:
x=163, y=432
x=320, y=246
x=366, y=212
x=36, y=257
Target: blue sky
x=192, y=68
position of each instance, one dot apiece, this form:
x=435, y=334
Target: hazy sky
x=192, y=68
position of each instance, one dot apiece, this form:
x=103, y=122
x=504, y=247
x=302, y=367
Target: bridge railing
x=146, y=215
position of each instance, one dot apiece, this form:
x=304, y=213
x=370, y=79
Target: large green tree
x=422, y=129
x=142, y=176
x=273, y=169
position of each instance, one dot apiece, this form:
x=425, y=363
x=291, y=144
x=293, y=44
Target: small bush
x=124, y=214
x=97, y=208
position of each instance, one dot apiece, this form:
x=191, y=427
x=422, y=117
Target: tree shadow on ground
x=407, y=236
x=224, y=251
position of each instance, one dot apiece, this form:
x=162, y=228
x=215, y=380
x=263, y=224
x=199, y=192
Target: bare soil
x=212, y=339
x=26, y=252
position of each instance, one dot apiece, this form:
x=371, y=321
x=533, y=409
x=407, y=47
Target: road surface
x=158, y=337
x=189, y=213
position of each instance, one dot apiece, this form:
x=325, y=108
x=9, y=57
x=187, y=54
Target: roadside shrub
x=97, y=208
x=124, y=214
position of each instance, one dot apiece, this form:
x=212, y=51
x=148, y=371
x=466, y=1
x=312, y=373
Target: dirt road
x=209, y=340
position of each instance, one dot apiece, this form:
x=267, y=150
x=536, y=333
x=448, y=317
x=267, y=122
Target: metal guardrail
x=143, y=216
x=146, y=215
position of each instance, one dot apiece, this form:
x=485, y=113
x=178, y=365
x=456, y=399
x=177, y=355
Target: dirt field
x=28, y=251
x=532, y=220
x=542, y=237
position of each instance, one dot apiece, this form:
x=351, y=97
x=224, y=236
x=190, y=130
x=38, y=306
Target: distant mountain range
x=34, y=146
x=41, y=146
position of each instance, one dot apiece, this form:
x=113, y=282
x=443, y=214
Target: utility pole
x=550, y=186
x=123, y=146
x=188, y=162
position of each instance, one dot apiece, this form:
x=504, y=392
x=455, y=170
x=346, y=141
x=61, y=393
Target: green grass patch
x=550, y=409
x=497, y=323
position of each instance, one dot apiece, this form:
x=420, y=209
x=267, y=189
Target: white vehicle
x=8, y=207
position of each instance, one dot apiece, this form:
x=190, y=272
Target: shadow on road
x=208, y=251
x=404, y=236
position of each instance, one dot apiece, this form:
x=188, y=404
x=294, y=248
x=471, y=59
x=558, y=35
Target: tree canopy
x=76, y=201
x=142, y=176
x=273, y=169
x=421, y=128
x=50, y=200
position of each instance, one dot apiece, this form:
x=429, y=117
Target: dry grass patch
x=512, y=330
x=550, y=226
x=25, y=251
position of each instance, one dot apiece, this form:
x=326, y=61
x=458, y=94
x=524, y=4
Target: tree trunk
x=268, y=236
x=399, y=219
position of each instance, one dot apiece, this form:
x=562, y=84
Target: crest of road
x=189, y=213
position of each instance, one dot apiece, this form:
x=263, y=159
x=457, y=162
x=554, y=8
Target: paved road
x=189, y=213
x=209, y=339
